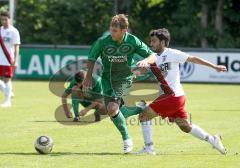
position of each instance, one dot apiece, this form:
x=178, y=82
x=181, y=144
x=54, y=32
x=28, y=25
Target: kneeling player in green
x=90, y=100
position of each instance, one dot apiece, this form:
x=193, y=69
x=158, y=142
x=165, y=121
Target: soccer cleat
x=6, y=104
x=12, y=95
x=76, y=119
x=217, y=144
x=97, y=117
x=146, y=150
x=127, y=146
x=142, y=104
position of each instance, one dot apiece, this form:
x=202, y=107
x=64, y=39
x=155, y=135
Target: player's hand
x=87, y=84
x=220, y=68
x=83, y=112
x=143, y=64
x=136, y=73
x=68, y=114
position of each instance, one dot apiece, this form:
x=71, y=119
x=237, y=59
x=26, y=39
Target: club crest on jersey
x=164, y=57
x=6, y=39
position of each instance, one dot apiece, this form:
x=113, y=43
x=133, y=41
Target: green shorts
x=85, y=103
x=115, y=89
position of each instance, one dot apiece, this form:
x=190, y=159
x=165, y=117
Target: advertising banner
x=42, y=63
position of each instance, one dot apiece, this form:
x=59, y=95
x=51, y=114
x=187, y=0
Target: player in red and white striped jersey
x=165, y=66
x=9, y=51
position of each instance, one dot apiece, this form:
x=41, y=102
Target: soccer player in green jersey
x=90, y=100
x=116, y=51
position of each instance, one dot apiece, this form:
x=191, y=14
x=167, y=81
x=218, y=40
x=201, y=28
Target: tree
x=191, y=23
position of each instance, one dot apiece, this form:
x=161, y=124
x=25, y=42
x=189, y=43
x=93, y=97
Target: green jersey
x=94, y=93
x=117, y=57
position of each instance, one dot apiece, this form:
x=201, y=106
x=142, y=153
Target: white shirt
x=10, y=37
x=168, y=62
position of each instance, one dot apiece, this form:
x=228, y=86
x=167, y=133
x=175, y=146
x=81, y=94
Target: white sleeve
x=180, y=56
x=16, y=37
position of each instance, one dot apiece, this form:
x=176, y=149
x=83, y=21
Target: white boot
x=217, y=144
x=8, y=90
x=127, y=146
x=146, y=150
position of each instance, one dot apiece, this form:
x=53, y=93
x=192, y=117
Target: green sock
x=75, y=104
x=97, y=112
x=120, y=122
x=129, y=111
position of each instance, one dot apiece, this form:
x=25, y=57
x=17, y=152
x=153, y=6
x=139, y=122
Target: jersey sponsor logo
x=109, y=50
x=119, y=58
x=165, y=67
x=186, y=70
x=117, y=54
x=124, y=49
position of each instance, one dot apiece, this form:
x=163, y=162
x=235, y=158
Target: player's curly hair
x=120, y=21
x=161, y=34
x=79, y=76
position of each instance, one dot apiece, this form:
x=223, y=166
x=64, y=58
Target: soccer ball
x=43, y=144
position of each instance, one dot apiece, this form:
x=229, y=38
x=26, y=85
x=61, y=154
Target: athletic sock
x=130, y=111
x=201, y=134
x=11, y=88
x=2, y=86
x=8, y=91
x=75, y=105
x=147, y=133
x=120, y=122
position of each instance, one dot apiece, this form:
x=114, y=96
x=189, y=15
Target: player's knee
x=185, y=128
x=75, y=90
x=183, y=125
x=6, y=80
x=112, y=108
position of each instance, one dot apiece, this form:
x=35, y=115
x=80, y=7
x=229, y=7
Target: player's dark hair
x=161, y=34
x=120, y=21
x=5, y=13
x=79, y=76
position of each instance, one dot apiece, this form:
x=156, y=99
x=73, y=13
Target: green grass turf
x=216, y=108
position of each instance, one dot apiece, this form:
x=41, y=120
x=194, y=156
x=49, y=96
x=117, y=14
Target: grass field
x=216, y=108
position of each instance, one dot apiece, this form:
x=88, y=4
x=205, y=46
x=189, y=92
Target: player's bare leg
x=100, y=110
x=196, y=131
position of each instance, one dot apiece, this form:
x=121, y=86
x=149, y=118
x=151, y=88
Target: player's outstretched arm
x=151, y=59
x=87, y=83
x=139, y=72
x=197, y=60
x=65, y=107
